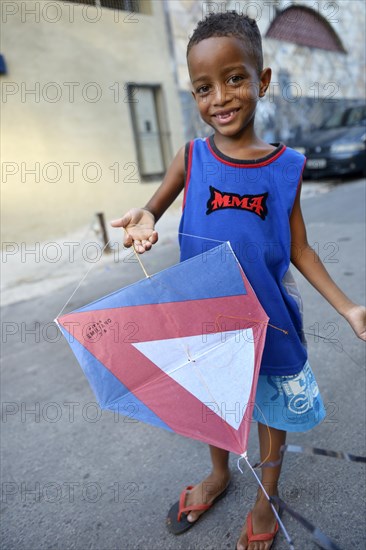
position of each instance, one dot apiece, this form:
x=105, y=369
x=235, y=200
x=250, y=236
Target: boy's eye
x=236, y=79
x=202, y=90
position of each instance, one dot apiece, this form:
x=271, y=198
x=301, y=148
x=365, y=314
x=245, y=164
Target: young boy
x=239, y=188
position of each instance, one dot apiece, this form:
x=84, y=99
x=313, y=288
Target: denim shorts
x=291, y=403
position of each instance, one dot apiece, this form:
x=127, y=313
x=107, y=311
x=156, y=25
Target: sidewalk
x=35, y=269
x=77, y=478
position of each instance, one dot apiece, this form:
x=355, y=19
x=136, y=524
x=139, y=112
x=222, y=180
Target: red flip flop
x=260, y=537
x=177, y=521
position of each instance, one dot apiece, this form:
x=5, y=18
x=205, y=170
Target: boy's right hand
x=139, y=229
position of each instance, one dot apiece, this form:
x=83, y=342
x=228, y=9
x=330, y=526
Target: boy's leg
x=214, y=484
x=263, y=518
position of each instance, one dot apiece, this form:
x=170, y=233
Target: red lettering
x=237, y=202
x=256, y=205
x=220, y=201
x=244, y=203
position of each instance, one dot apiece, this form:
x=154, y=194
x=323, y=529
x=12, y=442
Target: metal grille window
x=152, y=142
x=304, y=26
x=125, y=5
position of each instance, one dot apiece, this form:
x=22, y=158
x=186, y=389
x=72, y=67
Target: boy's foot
x=202, y=497
x=205, y=492
x=263, y=521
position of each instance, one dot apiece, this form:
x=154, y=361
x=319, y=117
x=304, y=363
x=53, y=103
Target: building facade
x=96, y=99
x=90, y=112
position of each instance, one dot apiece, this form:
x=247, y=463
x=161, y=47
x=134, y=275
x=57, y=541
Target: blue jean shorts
x=291, y=403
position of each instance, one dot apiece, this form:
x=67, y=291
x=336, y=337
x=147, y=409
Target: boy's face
x=226, y=84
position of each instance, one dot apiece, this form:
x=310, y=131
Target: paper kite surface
x=180, y=349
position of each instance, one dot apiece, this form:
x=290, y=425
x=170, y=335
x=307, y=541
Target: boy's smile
x=225, y=116
x=226, y=84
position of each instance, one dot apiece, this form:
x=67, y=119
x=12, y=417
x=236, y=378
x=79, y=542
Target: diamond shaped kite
x=180, y=349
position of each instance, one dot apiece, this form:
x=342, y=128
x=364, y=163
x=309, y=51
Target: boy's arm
x=172, y=185
x=309, y=264
x=139, y=223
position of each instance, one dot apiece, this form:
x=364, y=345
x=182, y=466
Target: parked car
x=337, y=147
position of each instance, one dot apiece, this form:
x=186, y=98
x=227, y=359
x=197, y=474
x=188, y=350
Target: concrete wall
x=77, y=59
x=319, y=79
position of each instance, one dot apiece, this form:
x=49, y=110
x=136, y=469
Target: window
x=130, y=5
x=304, y=26
x=354, y=116
x=150, y=130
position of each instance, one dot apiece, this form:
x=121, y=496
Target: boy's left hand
x=356, y=316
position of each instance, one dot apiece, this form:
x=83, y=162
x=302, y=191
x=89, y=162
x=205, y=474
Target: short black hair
x=231, y=23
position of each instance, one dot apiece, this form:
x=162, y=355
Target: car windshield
x=355, y=116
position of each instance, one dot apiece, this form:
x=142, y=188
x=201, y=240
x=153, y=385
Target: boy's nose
x=221, y=95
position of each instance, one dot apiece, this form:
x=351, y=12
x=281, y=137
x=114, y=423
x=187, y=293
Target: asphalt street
x=75, y=478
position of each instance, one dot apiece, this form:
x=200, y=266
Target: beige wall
x=54, y=134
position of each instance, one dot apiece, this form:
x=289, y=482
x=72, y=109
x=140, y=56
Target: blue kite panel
x=109, y=391
x=197, y=278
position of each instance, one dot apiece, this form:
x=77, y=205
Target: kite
x=180, y=349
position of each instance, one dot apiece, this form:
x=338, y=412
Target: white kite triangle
x=216, y=368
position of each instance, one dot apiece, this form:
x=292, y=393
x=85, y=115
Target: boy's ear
x=265, y=79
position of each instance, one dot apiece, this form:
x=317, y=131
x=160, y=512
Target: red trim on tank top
x=246, y=165
x=188, y=174
x=298, y=184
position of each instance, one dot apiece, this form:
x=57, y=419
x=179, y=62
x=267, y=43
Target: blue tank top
x=249, y=203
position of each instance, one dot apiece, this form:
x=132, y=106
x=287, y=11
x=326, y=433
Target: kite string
x=82, y=280
x=249, y=319
x=93, y=265
x=287, y=536
x=269, y=438
x=140, y=262
x=138, y=258
x=179, y=233
x=334, y=344
x=203, y=238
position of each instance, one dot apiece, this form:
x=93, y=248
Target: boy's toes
x=242, y=543
x=193, y=516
